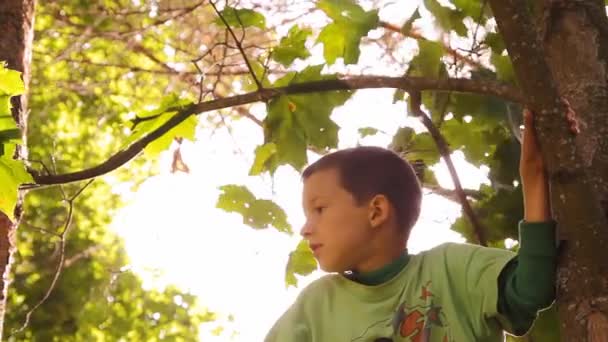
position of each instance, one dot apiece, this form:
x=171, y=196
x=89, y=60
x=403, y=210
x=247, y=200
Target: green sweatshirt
x=454, y=292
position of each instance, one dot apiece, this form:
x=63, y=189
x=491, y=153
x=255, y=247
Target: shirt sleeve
x=527, y=283
x=472, y=278
x=290, y=327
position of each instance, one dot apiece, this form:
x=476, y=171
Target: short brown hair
x=367, y=171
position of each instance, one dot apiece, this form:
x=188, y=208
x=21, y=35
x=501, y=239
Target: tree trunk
x=16, y=36
x=563, y=54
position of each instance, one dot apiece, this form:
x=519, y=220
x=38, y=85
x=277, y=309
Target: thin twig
x=418, y=36
x=452, y=195
x=362, y=82
x=40, y=229
x=81, y=255
x=444, y=150
x=62, y=243
x=482, y=9
x=238, y=43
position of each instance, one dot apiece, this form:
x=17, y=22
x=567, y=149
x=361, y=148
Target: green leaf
x=258, y=69
x=263, y=156
x=301, y=261
x=499, y=212
x=241, y=17
x=422, y=146
x=295, y=122
x=235, y=198
x=398, y=95
x=447, y=18
x=495, y=41
x=367, y=131
x=427, y=62
x=342, y=37
x=292, y=46
x=256, y=213
x=469, y=137
x=428, y=178
x=281, y=129
x=151, y=120
x=407, y=26
x=437, y=101
x=504, y=67
x=186, y=129
x=402, y=139
x=10, y=85
x=9, y=133
x=5, y=105
x=472, y=9
x=10, y=82
x=504, y=163
x=484, y=109
x=12, y=175
x=263, y=213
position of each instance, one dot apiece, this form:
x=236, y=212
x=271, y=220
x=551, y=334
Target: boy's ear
x=379, y=210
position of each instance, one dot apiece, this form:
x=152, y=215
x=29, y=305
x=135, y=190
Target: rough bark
x=563, y=55
x=16, y=35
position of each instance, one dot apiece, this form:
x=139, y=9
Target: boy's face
x=337, y=229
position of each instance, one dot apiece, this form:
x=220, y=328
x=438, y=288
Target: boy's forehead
x=321, y=183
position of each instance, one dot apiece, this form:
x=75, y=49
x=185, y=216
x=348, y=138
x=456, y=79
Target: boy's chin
x=332, y=268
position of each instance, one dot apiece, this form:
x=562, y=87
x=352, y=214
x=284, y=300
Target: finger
x=529, y=145
x=528, y=126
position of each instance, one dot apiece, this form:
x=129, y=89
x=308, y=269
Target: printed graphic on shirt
x=422, y=322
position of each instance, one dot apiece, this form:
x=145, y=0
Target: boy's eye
x=319, y=210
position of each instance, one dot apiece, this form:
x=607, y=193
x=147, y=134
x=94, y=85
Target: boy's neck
x=381, y=274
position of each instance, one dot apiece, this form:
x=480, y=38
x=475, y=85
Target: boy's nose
x=306, y=230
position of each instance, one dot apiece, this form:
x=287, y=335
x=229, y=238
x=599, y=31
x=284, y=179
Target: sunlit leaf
x=242, y=17
x=263, y=155
x=301, y=261
x=10, y=85
x=447, y=18
x=504, y=67
x=12, y=175
x=10, y=82
x=151, y=120
x=342, y=37
x=292, y=46
x=367, y=131
x=295, y=122
x=256, y=213
x=472, y=9
x=9, y=133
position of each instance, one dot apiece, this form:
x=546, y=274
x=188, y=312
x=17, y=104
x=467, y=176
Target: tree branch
x=352, y=83
x=444, y=150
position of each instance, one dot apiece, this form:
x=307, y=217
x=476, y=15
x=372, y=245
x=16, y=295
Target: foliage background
x=101, y=68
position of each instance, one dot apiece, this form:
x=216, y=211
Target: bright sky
x=174, y=234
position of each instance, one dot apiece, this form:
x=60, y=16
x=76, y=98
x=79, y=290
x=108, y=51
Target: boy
x=360, y=205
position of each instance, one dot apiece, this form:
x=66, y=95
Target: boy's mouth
x=315, y=247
